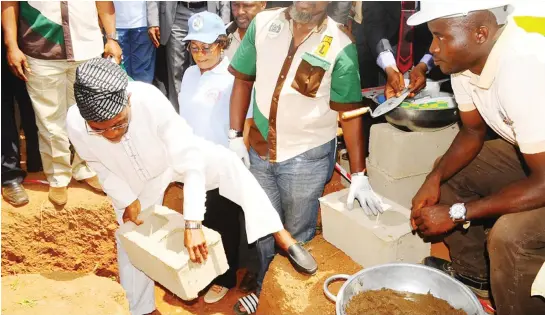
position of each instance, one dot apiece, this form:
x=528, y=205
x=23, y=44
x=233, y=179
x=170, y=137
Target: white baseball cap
x=435, y=9
x=205, y=27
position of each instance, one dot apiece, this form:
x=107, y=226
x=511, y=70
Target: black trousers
x=222, y=215
x=15, y=89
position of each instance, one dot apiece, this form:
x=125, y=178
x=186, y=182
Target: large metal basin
x=405, y=277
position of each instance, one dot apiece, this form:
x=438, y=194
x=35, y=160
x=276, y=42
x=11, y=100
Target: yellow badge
x=324, y=46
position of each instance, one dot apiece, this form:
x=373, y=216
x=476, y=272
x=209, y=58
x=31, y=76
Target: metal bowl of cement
x=410, y=119
x=405, y=277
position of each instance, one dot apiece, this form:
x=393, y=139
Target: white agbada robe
x=159, y=148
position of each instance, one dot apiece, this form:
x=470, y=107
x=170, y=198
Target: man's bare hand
x=17, y=63
x=196, y=245
x=434, y=220
x=428, y=195
x=155, y=35
x=131, y=213
x=112, y=49
x=395, y=83
x=418, y=79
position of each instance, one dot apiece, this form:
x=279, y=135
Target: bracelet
x=112, y=36
x=192, y=225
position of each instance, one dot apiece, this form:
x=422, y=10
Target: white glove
x=361, y=189
x=237, y=145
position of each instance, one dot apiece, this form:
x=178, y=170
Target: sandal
x=249, y=302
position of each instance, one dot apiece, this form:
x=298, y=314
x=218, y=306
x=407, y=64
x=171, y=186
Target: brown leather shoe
x=94, y=183
x=58, y=195
x=15, y=194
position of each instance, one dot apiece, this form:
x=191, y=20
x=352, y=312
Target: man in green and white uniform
x=302, y=68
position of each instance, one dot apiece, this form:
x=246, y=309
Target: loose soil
x=40, y=237
x=62, y=293
x=390, y=302
x=286, y=291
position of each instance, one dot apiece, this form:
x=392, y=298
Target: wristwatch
x=234, y=134
x=193, y=225
x=458, y=212
x=112, y=36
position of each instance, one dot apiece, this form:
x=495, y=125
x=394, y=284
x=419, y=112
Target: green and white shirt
x=297, y=90
x=60, y=30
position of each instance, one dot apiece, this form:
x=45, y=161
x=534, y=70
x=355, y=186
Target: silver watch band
x=193, y=225
x=112, y=36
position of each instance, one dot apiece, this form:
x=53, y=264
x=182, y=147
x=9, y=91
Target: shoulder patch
x=345, y=30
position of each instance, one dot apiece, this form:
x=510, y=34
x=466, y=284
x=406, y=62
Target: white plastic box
x=157, y=248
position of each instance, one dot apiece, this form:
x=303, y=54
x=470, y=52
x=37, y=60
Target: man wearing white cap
x=487, y=197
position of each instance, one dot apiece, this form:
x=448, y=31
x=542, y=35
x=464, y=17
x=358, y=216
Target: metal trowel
x=382, y=109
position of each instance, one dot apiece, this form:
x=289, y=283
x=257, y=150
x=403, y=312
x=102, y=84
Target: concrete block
x=157, y=248
x=400, y=190
x=402, y=154
x=367, y=240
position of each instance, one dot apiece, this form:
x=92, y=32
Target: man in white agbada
x=131, y=136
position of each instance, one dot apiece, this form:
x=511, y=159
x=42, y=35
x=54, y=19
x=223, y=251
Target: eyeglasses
x=205, y=50
x=122, y=126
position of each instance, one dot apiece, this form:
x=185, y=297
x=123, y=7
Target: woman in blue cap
x=204, y=104
x=204, y=101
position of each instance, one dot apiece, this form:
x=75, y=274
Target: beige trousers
x=51, y=89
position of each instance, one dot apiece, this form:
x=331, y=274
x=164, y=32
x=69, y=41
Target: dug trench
x=54, y=258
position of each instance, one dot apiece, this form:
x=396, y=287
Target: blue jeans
x=293, y=186
x=138, y=53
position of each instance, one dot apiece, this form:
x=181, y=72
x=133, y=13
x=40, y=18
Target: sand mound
x=286, y=291
x=40, y=237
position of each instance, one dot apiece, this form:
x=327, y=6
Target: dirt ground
x=286, y=291
x=79, y=237
x=62, y=293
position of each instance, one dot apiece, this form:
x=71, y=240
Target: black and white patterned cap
x=100, y=89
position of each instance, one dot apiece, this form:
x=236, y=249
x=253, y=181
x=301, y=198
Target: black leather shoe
x=15, y=194
x=301, y=259
x=479, y=286
x=248, y=283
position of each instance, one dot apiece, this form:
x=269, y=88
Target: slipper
x=215, y=294
x=249, y=302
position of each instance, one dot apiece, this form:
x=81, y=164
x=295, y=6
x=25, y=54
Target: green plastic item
x=424, y=106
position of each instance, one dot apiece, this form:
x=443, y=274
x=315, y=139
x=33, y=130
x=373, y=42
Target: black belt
x=193, y=4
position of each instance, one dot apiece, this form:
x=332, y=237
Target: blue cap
x=205, y=27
